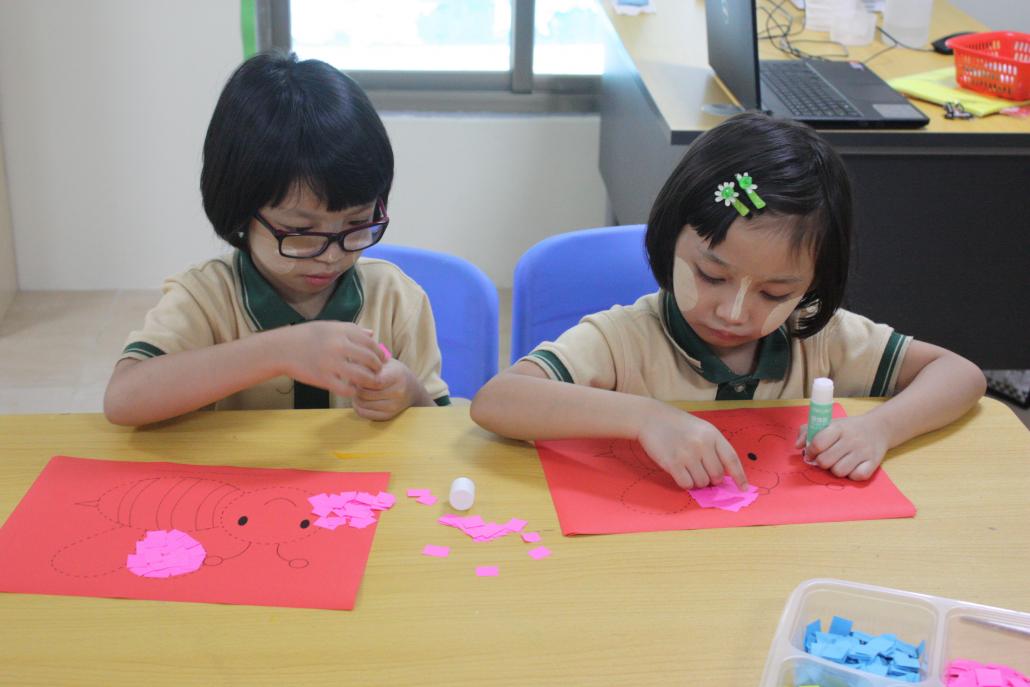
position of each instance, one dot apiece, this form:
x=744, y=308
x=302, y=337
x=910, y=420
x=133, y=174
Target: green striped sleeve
x=551, y=362
x=143, y=348
x=889, y=363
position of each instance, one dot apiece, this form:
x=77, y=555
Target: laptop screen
x=733, y=48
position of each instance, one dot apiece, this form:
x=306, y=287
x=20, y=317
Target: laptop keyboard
x=805, y=93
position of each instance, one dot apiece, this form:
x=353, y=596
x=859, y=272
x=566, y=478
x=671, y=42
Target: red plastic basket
x=996, y=63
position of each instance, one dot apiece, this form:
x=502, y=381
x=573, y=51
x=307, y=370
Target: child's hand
x=392, y=390
x=338, y=356
x=692, y=451
x=851, y=447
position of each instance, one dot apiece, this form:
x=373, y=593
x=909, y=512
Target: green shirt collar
x=268, y=310
x=773, y=349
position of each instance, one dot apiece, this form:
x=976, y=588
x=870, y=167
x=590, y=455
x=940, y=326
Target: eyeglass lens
x=308, y=246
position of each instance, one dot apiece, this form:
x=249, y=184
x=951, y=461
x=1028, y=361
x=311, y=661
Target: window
x=511, y=55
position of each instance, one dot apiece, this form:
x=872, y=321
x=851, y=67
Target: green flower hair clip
x=727, y=195
x=748, y=186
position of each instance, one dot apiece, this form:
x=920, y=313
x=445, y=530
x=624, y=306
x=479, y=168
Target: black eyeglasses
x=311, y=244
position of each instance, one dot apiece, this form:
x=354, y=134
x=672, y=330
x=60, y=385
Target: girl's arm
x=522, y=403
x=331, y=355
x=934, y=388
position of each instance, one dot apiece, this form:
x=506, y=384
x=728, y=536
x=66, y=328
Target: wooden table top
x=691, y=607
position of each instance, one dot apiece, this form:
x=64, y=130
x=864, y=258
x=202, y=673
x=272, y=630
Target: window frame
x=517, y=90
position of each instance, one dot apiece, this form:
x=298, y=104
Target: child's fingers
x=698, y=475
x=822, y=441
x=730, y=461
x=802, y=433
x=357, y=375
x=713, y=467
x=681, y=476
x=864, y=471
x=371, y=413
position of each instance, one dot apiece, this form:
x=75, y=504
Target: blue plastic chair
x=564, y=277
x=464, y=303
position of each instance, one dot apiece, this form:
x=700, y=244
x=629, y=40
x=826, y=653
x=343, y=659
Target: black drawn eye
x=242, y=521
x=304, y=524
x=752, y=456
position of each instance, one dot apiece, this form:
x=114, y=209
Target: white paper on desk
x=632, y=10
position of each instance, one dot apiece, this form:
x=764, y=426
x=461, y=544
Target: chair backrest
x=564, y=277
x=464, y=303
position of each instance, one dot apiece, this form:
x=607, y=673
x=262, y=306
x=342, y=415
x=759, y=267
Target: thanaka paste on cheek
x=779, y=315
x=684, y=285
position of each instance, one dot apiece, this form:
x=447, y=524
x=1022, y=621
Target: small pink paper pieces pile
x=725, y=496
x=436, y=551
x=353, y=508
x=166, y=553
x=423, y=496
x=962, y=673
x=474, y=526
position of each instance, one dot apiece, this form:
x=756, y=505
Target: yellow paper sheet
x=938, y=86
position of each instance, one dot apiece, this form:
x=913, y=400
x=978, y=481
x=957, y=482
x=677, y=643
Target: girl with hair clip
x=296, y=177
x=749, y=241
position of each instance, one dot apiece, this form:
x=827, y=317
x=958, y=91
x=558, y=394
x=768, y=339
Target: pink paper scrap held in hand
x=386, y=351
x=539, y=552
x=474, y=526
x=487, y=571
x=725, y=496
x=166, y=553
x=352, y=508
x=436, y=551
x=530, y=537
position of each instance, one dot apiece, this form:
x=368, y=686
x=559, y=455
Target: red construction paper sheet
x=607, y=486
x=75, y=528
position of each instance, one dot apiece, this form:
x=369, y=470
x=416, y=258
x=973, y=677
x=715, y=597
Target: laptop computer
x=822, y=93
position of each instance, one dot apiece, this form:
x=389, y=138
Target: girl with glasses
x=296, y=175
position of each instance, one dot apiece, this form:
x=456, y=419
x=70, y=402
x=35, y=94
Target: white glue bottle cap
x=463, y=493
x=822, y=390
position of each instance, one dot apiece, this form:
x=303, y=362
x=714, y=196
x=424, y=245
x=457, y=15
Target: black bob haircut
x=281, y=123
x=797, y=174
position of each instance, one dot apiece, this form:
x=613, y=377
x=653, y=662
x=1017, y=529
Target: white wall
x=997, y=15
x=104, y=105
x=8, y=275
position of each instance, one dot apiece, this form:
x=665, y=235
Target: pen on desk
x=997, y=624
x=820, y=409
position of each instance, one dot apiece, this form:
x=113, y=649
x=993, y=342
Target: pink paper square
x=418, y=492
x=487, y=571
x=426, y=499
x=539, y=552
x=530, y=537
x=436, y=551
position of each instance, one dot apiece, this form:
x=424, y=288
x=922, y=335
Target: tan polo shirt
x=226, y=299
x=648, y=349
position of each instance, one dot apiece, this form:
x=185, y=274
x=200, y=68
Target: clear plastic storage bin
x=951, y=629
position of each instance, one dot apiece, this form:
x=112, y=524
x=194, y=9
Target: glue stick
x=820, y=410
x=463, y=493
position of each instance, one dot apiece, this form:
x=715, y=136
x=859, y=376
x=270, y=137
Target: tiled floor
x=57, y=348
